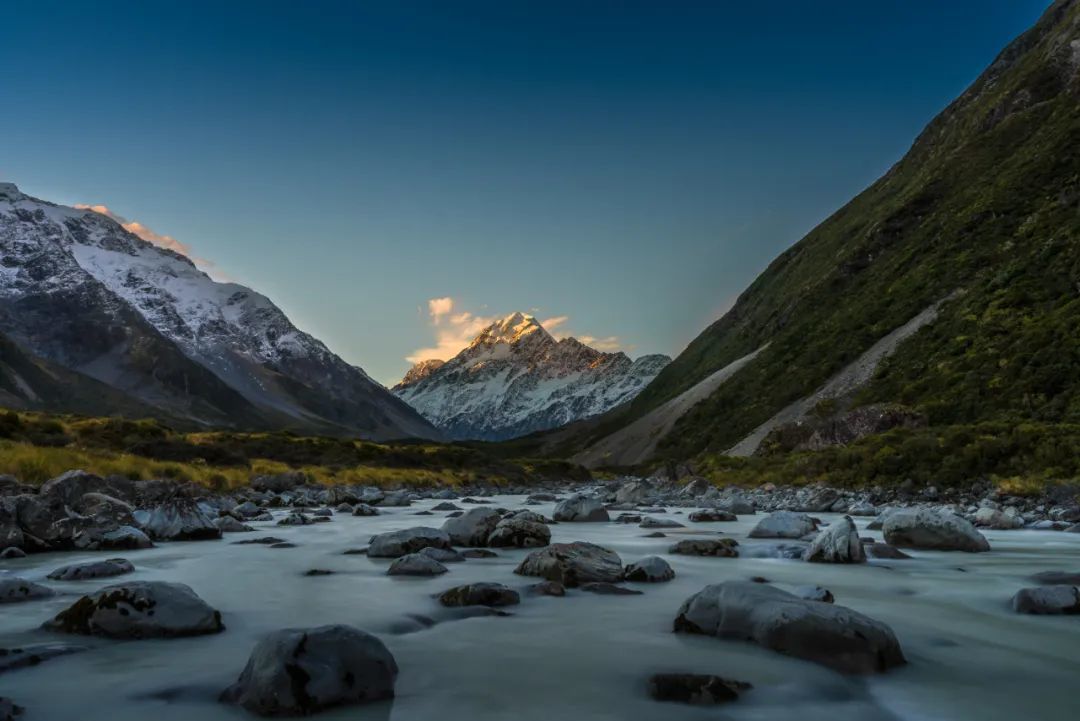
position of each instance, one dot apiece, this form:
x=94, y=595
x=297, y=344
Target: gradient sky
x=630, y=166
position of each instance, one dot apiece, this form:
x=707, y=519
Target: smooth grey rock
x=409, y=540
x=363, y=509
x=228, y=524
x=651, y=569
x=838, y=543
x=834, y=636
x=722, y=547
x=1047, y=600
x=443, y=555
x=180, y=519
x=93, y=569
x=14, y=589
x=415, y=564
x=926, y=529
x=473, y=527
x=634, y=492
x=480, y=594
x=572, y=564
x=650, y=522
x=139, y=609
x=784, y=524
x=580, y=509
x=519, y=533
x=34, y=654
x=300, y=671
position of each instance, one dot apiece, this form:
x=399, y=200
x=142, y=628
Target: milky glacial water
x=580, y=657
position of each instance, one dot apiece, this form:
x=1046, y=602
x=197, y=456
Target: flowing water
x=580, y=657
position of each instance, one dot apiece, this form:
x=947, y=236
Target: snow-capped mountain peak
x=515, y=378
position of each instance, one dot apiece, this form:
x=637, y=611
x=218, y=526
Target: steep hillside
x=982, y=216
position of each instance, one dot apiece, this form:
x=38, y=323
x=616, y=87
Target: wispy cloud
x=154, y=238
x=454, y=329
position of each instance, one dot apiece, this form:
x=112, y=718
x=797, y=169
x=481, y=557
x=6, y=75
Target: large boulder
x=480, y=594
x=579, y=508
x=415, y=564
x=1048, y=600
x=651, y=569
x=926, y=529
x=839, y=543
x=997, y=519
x=395, y=544
x=573, y=564
x=69, y=487
x=519, y=533
x=179, y=519
x=140, y=609
x=93, y=569
x=819, y=500
x=300, y=671
x=784, y=524
x=473, y=527
x=14, y=589
x=834, y=636
x=634, y=492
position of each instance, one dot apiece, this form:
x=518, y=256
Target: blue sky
x=626, y=167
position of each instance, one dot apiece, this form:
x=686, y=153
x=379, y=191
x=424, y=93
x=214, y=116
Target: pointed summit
x=512, y=329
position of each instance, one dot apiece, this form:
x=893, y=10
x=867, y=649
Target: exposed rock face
x=480, y=594
x=651, y=569
x=573, y=564
x=297, y=672
x=839, y=543
x=146, y=609
x=519, y=533
x=831, y=635
x=80, y=291
x=406, y=541
x=473, y=527
x=581, y=509
x=784, y=524
x=1048, y=600
x=841, y=429
x=14, y=589
x=515, y=378
x=926, y=529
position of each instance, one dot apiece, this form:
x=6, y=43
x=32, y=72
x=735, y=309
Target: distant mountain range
x=514, y=378
x=95, y=319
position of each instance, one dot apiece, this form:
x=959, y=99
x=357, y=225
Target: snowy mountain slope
x=515, y=378
x=79, y=289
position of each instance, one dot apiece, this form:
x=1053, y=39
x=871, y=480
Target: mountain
x=80, y=291
x=514, y=378
x=951, y=287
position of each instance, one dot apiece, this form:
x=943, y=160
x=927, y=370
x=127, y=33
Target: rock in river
x=572, y=564
x=1048, y=600
x=180, y=519
x=473, y=527
x=146, y=609
x=579, y=508
x=480, y=594
x=651, y=569
x=784, y=524
x=923, y=528
x=519, y=533
x=14, y=589
x=834, y=636
x=712, y=515
x=415, y=564
x=409, y=540
x=93, y=569
x=839, y=543
x=723, y=547
x=697, y=689
x=297, y=672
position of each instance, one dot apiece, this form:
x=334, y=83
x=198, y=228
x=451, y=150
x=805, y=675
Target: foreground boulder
x=93, y=569
x=573, y=564
x=480, y=594
x=1048, y=600
x=697, y=689
x=146, y=609
x=784, y=524
x=839, y=543
x=472, y=527
x=297, y=672
x=926, y=529
x=180, y=519
x=722, y=547
x=519, y=533
x=409, y=540
x=580, y=509
x=831, y=635
x=651, y=569
x=14, y=589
